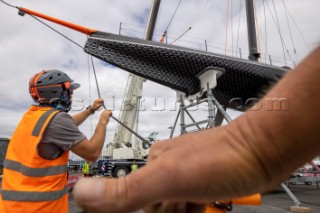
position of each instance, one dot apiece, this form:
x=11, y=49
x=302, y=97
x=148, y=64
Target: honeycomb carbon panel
x=177, y=67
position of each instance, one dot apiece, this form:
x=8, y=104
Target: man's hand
x=97, y=104
x=105, y=116
x=182, y=175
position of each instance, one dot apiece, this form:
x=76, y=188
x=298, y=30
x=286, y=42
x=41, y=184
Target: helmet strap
x=62, y=103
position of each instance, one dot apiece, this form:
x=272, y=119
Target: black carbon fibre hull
x=177, y=67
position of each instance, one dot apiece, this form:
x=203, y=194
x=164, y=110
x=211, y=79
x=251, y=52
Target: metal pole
x=175, y=124
x=152, y=20
x=205, y=42
x=210, y=107
x=295, y=200
x=182, y=121
x=252, y=37
x=270, y=59
x=220, y=108
x=194, y=121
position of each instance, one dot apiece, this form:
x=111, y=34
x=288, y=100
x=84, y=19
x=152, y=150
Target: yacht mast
x=252, y=36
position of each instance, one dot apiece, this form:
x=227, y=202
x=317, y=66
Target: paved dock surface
x=276, y=201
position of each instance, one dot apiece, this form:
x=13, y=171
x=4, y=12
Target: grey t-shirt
x=61, y=135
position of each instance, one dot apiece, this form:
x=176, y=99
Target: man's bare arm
x=83, y=115
x=254, y=153
x=91, y=149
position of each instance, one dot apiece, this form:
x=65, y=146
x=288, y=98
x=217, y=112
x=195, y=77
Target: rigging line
x=265, y=31
x=200, y=44
x=140, y=32
x=134, y=31
x=239, y=22
x=278, y=24
x=226, y=40
x=130, y=34
x=96, y=79
x=198, y=12
x=295, y=24
x=232, y=27
x=279, y=30
x=281, y=39
x=89, y=80
x=181, y=35
x=114, y=118
x=23, y=12
x=56, y=31
x=133, y=25
x=232, y=33
x=195, y=17
x=174, y=13
x=166, y=30
x=10, y=5
x=286, y=12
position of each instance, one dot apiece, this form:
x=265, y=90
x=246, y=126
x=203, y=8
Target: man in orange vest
x=35, y=167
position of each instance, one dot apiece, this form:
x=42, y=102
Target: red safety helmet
x=48, y=86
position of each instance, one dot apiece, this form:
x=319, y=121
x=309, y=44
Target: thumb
x=127, y=194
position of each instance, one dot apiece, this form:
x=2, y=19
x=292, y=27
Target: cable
x=227, y=25
x=265, y=30
x=22, y=13
x=165, y=32
x=96, y=79
x=198, y=12
x=286, y=12
x=279, y=30
x=281, y=38
x=10, y=5
x=56, y=31
x=239, y=21
x=89, y=80
x=181, y=35
x=295, y=24
x=114, y=118
x=174, y=13
x=231, y=6
x=194, y=19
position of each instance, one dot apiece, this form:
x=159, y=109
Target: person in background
x=134, y=166
x=37, y=156
x=103, y=168
x=86, y=169
x=254, y=153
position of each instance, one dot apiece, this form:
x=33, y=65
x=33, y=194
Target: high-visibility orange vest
x=31, y=183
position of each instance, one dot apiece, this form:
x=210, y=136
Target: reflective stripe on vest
x=41, y=121
x=33, y=196
x=34, y=172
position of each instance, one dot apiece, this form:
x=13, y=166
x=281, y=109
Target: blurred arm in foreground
x=254, y=153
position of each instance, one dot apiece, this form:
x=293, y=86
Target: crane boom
x=129, y=109
x=133, y=90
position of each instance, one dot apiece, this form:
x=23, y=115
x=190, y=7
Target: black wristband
x=90, y=109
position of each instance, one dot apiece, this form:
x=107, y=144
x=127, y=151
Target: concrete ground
x=276, y=201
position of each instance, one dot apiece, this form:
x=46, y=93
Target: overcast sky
x=27, y=47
